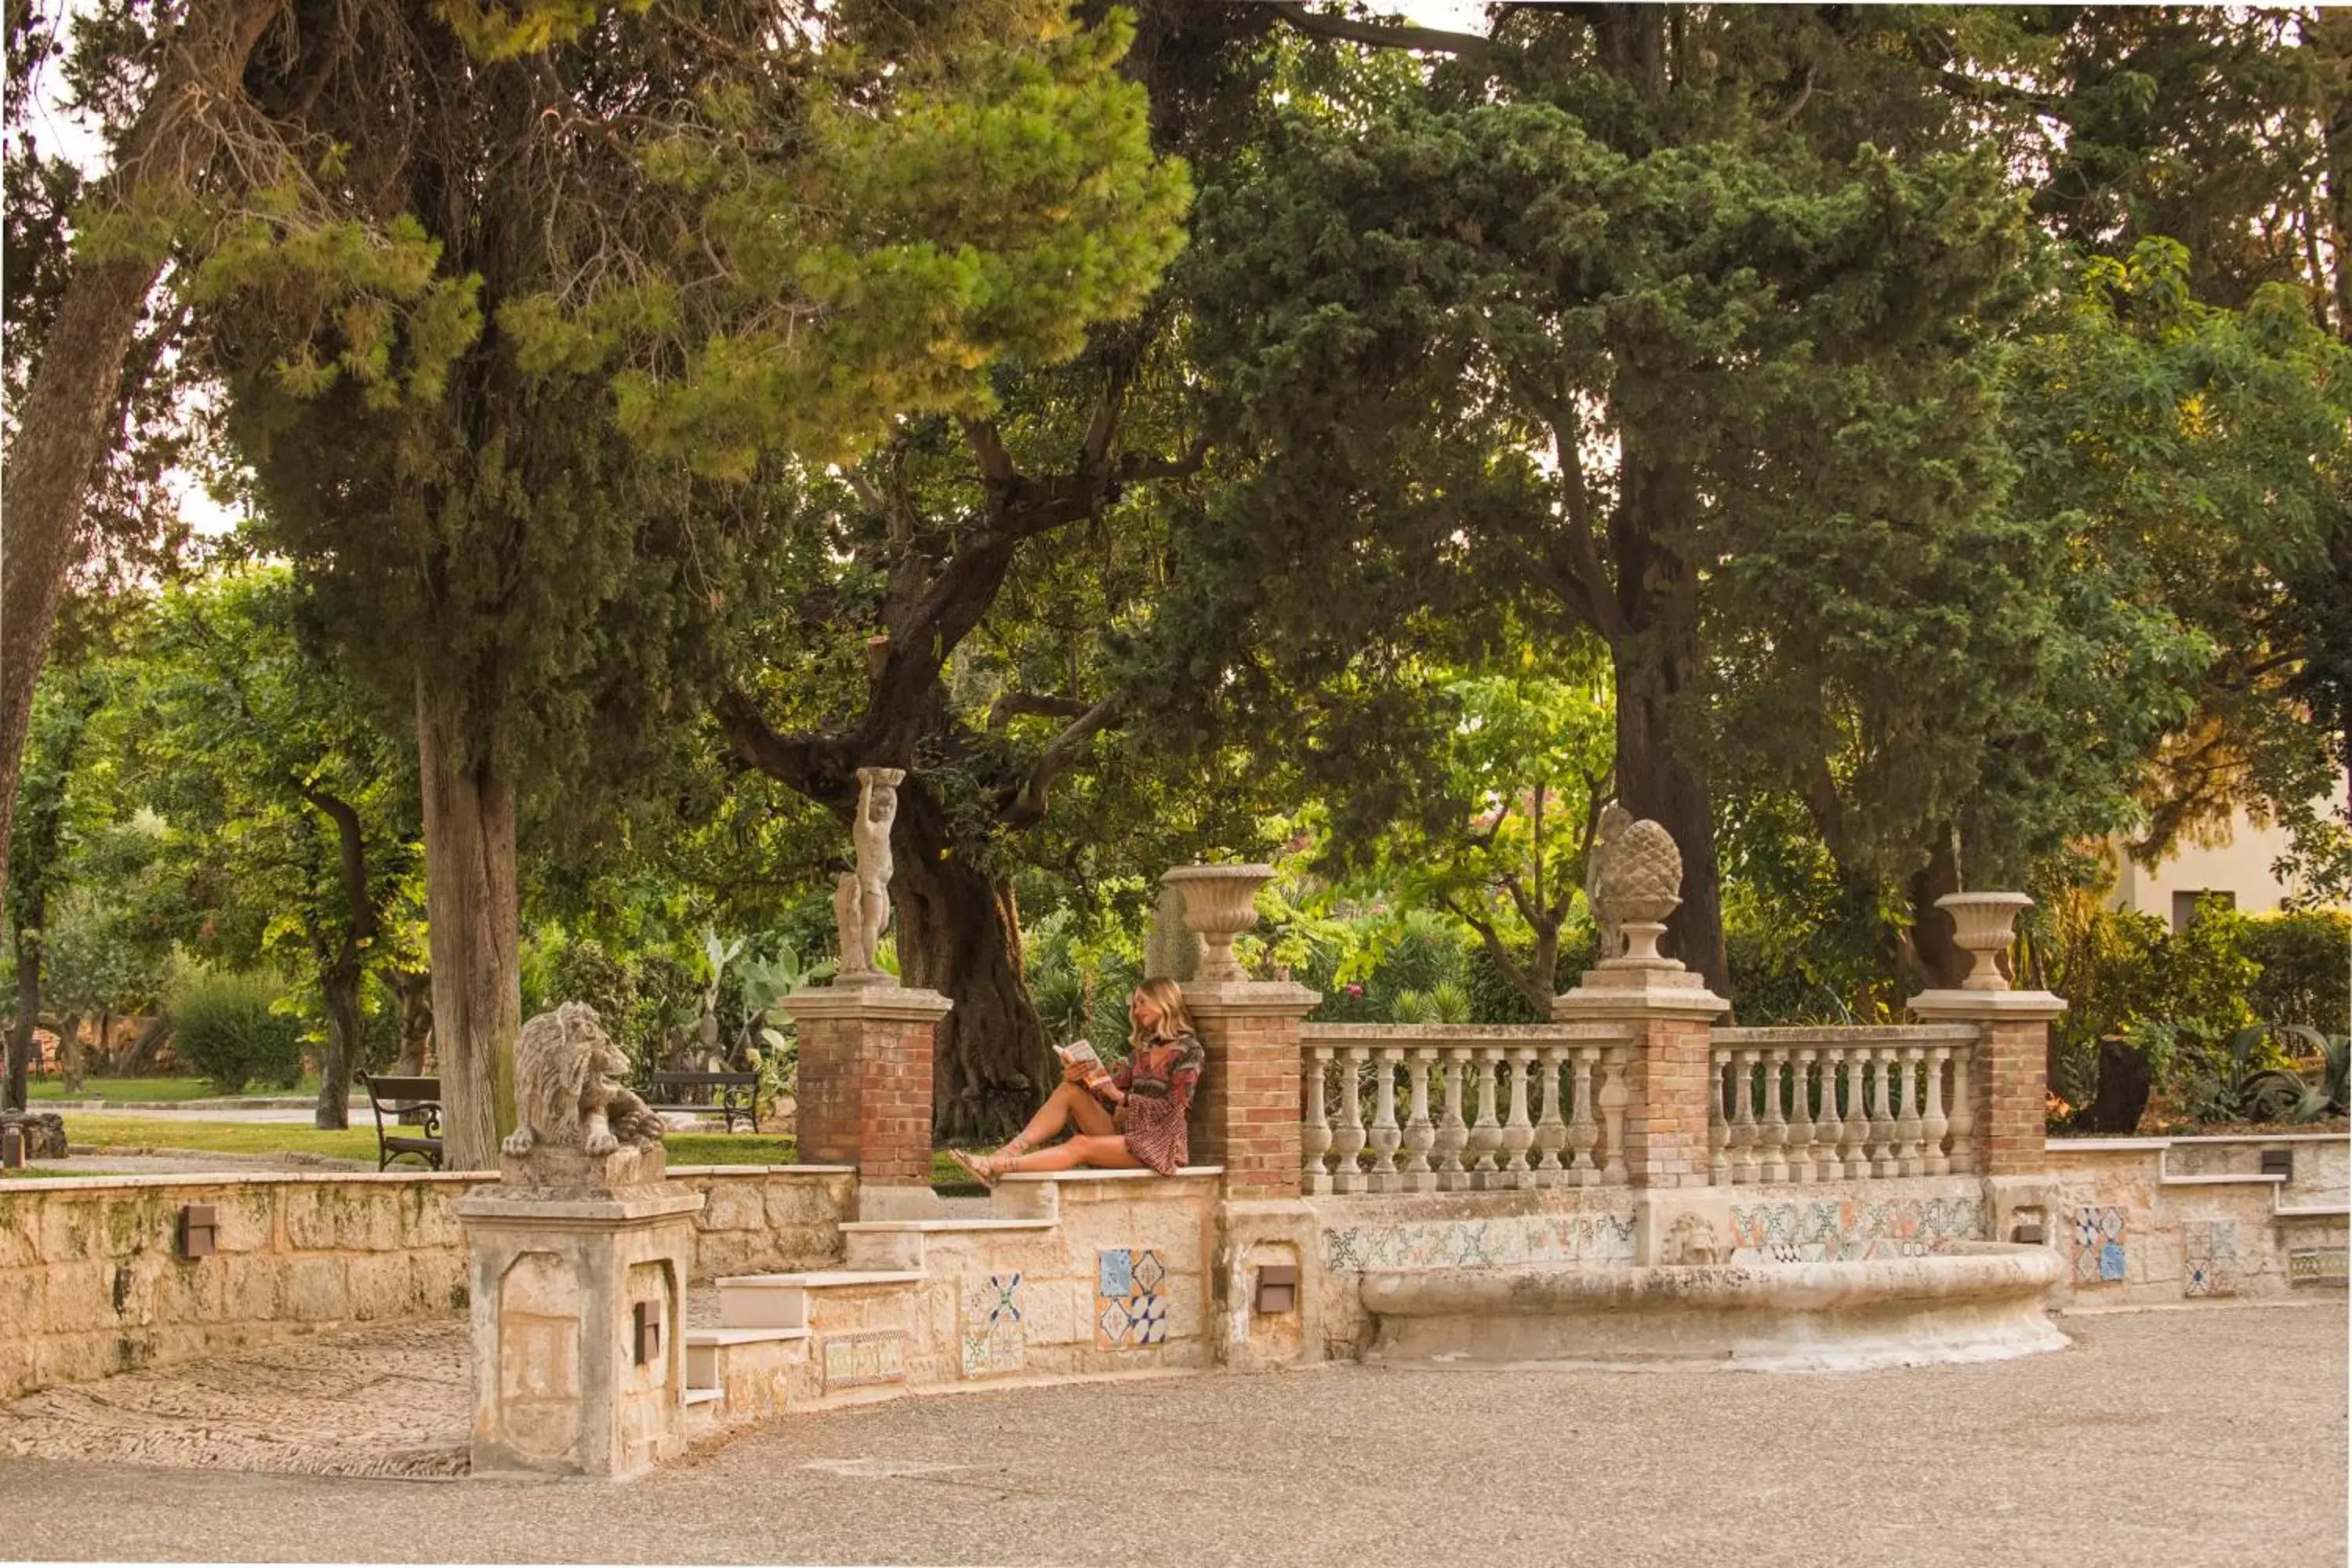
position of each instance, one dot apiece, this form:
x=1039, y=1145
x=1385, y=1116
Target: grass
x=130, y=1089
x=357, y=1142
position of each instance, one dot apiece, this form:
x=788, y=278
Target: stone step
x=899, y=1244
x=782, y=1301
x=706, y=1350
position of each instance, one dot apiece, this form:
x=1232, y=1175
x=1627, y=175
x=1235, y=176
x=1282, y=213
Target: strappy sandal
x=983, y=1169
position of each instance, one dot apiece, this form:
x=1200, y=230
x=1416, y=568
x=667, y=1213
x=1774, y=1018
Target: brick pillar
x=2008, y=1084
x=864, y=1091
x=1670, y=1015
x=1245, y=1116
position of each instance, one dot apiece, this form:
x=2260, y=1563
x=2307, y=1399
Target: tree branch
x=799, y=761
x=1381, y=35
x=352, y=843
x=1019, y=704
x=1028, y=808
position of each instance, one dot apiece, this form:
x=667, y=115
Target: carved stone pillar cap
x=896, y=1004
x=1676, y=992
x=1993, y=1006
x=1275, y=998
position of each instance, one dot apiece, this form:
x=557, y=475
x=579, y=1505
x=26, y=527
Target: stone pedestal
x=1245, y=1117
x=864, y=1091
x=1668, y=1079
x=2009, y=1083
x=563, y=1252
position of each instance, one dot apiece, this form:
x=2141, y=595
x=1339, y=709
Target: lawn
x=111, y=1128
x=150, y=1089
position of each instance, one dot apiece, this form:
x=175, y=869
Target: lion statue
x=565, y=1096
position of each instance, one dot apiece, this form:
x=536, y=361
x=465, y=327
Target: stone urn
x=1981, y=924
x=1220, y=903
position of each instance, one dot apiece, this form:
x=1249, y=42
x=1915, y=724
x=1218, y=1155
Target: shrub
x=2306, y=969
x=225, y=1026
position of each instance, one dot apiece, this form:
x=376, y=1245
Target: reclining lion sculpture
x=566, y=1093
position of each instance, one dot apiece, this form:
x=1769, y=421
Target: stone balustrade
x=1449, y=1107
x=1795, y=1105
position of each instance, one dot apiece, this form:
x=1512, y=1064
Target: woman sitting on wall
x=1134, y=1118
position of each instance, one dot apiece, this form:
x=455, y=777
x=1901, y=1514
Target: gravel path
x=2172, y=1437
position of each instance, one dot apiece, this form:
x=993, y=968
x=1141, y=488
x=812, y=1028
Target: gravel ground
x=2176, y=1437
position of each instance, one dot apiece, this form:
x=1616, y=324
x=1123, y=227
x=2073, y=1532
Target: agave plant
x=2247, y=1088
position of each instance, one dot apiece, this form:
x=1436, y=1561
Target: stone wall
x=91, y=1282
x=2143, y=1221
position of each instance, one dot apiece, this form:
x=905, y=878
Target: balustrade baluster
x=1774, y=1133
x=1315, y=1132
x=1612, y=1100
x=1518, y=1132
x=1857, y=1113
x=1935, y=1123
x=1744, y=1163
x=1583, y=1126
x=1910, y=1153
x=1385, y=1132
x=1346, y=1176
x=1486, y=1135
x=1963, y=1112
x=1718, y=1120
x=1551, y=1132
x=1802, y=1164
x=1882, y=1113
x=1419, y=1136
x=1452, y=1135
x=1829, y=1127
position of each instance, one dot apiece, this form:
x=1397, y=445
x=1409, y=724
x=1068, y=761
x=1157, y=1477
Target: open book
x=1082, y=1052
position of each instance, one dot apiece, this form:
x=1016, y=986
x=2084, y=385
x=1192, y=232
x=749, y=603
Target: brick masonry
x=863, y=1093
x=1666, y=1116
x=2008, y=1078
x=1248, y=1113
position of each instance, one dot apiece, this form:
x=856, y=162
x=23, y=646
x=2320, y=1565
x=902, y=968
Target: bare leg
x=1070, y=1105
x=1099, y=1152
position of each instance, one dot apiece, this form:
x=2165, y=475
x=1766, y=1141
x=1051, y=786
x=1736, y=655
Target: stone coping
x=2079, y=1145
x=1582, y=1030
x=1858, y=1034
x=385, y=1178
x=2226, y=1179
x=1179, y=1172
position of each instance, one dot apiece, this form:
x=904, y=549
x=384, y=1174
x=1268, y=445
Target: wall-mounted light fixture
x=199, y=1228
x=648, y=1320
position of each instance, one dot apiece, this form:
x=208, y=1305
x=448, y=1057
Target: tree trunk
x=140, y=1060
x=67, y=414
x=474, y=916
x=1653, y=782
x=960, y=934
x=1933, y=957
x=412, y=992
x=28, y=999
x=340, y=989
x=70, y=1062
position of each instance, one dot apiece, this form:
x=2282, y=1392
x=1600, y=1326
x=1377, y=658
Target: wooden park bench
x=412, y=1102
x=732, y=1095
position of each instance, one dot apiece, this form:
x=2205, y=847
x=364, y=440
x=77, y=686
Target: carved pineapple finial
x=1635, y=883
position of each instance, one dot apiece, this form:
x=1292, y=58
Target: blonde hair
x=1175, y=1022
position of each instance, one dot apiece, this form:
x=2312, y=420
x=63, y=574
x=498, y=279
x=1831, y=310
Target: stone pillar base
x=558, y=1273
x=2009, y=1086
x=1246, y=1116
x=865, y=1091
x=1668, y=1067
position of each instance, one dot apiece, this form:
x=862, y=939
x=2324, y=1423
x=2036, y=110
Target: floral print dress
x=1158, y=1080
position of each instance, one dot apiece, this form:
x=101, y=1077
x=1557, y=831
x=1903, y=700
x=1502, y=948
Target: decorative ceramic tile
x=2209, y=1258
x=1131, y=1304
x=1835, y=1230
x=851, y=1360
x=993, y=1337
x=1414, y=1245
x=2098, y=1248
x=2319, y=1265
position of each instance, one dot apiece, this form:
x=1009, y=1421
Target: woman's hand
x=1074, y=1072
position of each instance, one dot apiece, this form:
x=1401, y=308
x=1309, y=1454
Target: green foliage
x=2306, y=959
x=231, y=1028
